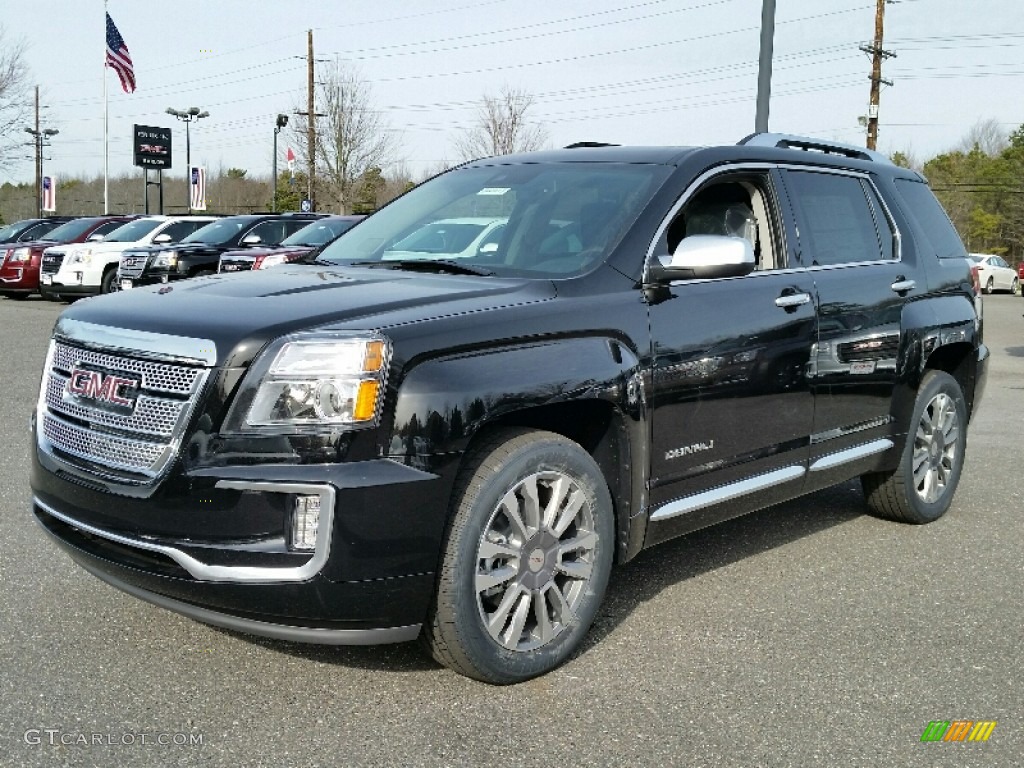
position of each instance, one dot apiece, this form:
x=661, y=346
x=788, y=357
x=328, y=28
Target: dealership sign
x=152, y=146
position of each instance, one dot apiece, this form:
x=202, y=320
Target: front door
x=731, y=407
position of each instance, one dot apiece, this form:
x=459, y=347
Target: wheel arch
x=581, y=388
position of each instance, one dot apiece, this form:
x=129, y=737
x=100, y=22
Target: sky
x=674, y=72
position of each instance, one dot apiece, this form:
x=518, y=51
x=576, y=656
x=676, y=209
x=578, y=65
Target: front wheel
x=990, y=286
x=107, y=283
x=526, y=558
x=921, y=488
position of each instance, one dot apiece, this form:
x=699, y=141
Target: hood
x=242, y=312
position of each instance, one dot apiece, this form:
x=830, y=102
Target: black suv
x=377, y=447
x=199, y=253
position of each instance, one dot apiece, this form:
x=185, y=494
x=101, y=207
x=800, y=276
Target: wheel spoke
x=569, y=513
x=510, y=507
x=493, y=549
x=531, y=504
x=927, y=488
x=952, y=434
x=497, y=620
x=522, y=611
x=490, y=579
x=560, y=488
x=562, y=610
x=583, y=543
x=545, y=630
x=575, y=569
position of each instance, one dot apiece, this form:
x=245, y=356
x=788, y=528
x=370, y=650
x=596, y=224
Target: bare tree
x=501, y=127
x=352, y=138
x=13, y=94
x=987, y=135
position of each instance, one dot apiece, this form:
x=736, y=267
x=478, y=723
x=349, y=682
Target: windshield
x=319, y=232
x=132, y=231
x=73, y=230
x=536, y=220
x=217, y=232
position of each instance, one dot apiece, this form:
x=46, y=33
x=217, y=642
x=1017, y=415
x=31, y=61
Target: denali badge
x=687, y=450
x=105, y=389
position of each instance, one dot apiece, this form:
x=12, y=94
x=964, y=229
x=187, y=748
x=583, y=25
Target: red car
x=19, y=262
x=1020, y=279
x=316, y=234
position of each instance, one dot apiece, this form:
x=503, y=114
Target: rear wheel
x=1015, y=286
x=921, y=488
x=526, y=558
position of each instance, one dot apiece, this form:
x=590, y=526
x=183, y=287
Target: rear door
x=848, y=246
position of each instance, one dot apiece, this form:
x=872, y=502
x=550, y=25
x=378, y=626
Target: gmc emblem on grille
x=105, y=389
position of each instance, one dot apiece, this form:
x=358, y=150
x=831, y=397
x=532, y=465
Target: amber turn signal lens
x=374, y=359
x=366, y=401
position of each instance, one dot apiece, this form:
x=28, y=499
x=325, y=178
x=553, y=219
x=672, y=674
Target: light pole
x=187, y=116
x=282, y=121
x=40, y=137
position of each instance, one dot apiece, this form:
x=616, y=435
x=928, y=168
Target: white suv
x=90, y=268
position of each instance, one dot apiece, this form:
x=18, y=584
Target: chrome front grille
x=132, y=264
x=51, y=261
x=94, y=429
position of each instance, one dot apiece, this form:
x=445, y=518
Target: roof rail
x=787, y=141
x=588, y=145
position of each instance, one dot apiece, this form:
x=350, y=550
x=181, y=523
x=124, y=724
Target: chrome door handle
x=902, y=286
x=792, y=300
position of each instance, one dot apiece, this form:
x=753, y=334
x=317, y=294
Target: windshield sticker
x=494, y=190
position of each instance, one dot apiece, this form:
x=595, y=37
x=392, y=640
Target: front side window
x=133, y=231
x=835, y=218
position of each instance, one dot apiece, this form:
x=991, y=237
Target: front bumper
x=369, y=580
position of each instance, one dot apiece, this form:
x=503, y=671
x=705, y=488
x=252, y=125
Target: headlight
x=80, y=256
x=166, y=259
x=269, y=260
x=332, y=380
x=21, y=254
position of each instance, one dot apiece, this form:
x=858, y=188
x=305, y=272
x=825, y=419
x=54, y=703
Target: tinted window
x=935, y=224
x=101, y=231
x=73, y=230
x=837, y=224
x=273, y=232
x=180, y=229
x=132, y=231
x=882, y=224
x=217, y=232
x=560, y=219
x=37, y=231
x=318, y=233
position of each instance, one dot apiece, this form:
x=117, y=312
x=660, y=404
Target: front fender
x=443, y=402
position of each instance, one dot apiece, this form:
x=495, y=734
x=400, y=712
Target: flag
x=197, y=188
x=118, y=57
x=49, y=193
x=290, y=156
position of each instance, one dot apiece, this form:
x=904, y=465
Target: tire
x=512, y=600
x=107, y=283
x=203, y=273
x=990, y=285
x=1015, y=286
x=925, y=496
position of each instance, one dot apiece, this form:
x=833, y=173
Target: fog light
x=305, y=522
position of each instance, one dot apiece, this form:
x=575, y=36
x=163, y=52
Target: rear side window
x=837, y=222
x=934, y=223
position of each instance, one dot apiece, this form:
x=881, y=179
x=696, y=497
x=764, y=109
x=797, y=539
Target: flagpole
x=106, y=117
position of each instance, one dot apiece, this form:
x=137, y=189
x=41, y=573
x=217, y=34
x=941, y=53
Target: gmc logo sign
x=105, y=389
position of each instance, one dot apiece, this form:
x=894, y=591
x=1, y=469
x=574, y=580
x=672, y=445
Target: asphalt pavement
x=807, y=634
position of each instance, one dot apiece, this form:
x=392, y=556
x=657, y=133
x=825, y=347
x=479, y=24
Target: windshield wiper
x=423, y=265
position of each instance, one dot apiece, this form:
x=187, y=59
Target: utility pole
x=877, y=54
x=310, y=121
x=40, y=137
x=764, y=66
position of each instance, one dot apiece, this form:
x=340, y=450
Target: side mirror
x=252, y=240
x=163, y=237
x=704, y=257
x=488, y=248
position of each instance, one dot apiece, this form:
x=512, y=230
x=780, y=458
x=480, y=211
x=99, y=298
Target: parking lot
x=808, y=634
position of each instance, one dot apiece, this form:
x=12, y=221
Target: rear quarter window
x=921, y=204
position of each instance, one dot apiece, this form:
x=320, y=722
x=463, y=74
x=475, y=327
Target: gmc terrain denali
x=368, y=449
